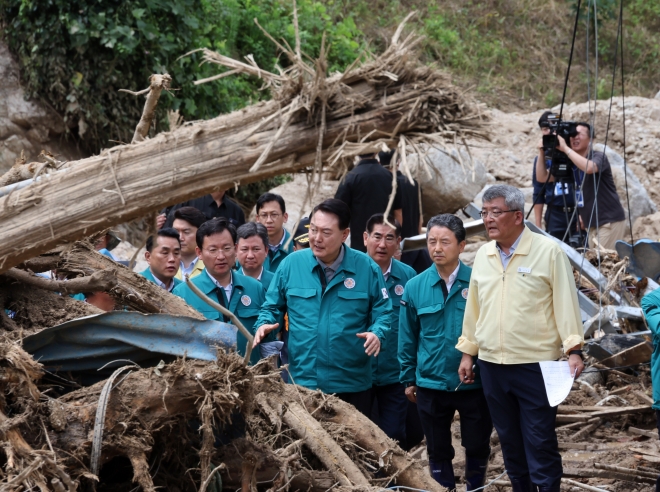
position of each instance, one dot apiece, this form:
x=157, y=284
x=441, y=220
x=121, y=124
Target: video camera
x=562, y=167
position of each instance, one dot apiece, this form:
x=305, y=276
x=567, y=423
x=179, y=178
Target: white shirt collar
x=228, y=289
x=387, y=272
x=452, y=277
x=161, y=284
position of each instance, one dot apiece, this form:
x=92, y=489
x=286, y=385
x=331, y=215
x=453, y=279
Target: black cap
x=385, y=157
x=302, y=231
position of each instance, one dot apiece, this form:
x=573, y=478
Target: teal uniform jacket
x=150, y=277
x=386, y=368
x=651, y=307
x=266, y=277
x=324, y=351
x=274, y=258
x=246, y=298
x=429, y=329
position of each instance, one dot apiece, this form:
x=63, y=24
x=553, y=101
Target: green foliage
x=76, y=54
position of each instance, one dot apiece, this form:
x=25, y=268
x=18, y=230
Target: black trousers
x=524, y=420
x=360, y=400
x=436, y=411
x=389, y=409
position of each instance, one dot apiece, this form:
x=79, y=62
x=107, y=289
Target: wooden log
x=638, y=354
x=586, y=430
x=615, y=412
x=99, y=281
x=323, y=446
x=653, y=434
x=562, y=419
x=405, y=470
x=390, y=96
x=581, y=473
x=580, y=485
x=626, y=471
x=132, y=289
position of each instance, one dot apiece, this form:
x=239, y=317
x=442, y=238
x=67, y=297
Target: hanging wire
x=623, y=106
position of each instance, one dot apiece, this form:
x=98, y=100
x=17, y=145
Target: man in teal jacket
x=164, y=258
x=243, y=296
x=271, y=212
x=651, y=307
x=430, y=324
x=336, y=299
x=382, y=241
x=251, y=252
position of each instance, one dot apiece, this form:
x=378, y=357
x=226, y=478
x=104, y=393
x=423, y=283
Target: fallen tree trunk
x=390, y=98
x=132, y=289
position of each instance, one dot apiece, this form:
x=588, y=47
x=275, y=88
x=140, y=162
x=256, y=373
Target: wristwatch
x=576, y=352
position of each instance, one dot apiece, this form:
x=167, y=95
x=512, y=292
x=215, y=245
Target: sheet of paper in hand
x=558, y=380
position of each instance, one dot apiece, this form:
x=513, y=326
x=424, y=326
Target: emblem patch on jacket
x=349, y=283
x=398, y=290
x=246, y=300
x=464, y=293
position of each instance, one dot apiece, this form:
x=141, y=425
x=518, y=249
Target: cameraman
x=538, y=196
x=558, y=195
x=608, y=219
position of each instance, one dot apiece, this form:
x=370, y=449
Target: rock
x=446, y=184
x=647, y=227
x=657, y=96
x=640, y=202
x=26, y=125
x=16, y=144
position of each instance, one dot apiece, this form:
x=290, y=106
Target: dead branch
x=99, y=281
x=157, y=83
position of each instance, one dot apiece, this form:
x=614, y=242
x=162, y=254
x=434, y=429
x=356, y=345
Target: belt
x=562, y=209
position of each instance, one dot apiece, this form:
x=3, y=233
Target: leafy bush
x=76, y=54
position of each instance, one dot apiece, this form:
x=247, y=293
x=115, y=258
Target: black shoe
x=443, y=473
x=475, y=473
x=522, y=484
x=553, y=488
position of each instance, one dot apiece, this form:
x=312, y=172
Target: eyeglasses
x=494, y=213
x=266, y=216
x=225, y=251
x=389, y=239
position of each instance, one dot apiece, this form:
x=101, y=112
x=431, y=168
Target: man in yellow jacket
x=522, y=309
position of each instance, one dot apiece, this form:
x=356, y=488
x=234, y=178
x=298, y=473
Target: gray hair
x=513, y=197
x=250, y=229
x=451, y=222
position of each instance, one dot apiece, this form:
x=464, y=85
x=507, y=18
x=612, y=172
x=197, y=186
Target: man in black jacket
x=366, y=190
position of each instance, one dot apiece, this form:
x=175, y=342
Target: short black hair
x=451, y=222
x=385, y=157
x=588, y=127
x=164, y=232
x=543, y=120
x=214, y=226
x=378, y=219
x=335, y=207
x=192, y=215
x=270, y=197
x=251, y=229
x=368, y=156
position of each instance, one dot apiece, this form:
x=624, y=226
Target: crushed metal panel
x=90, y=342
